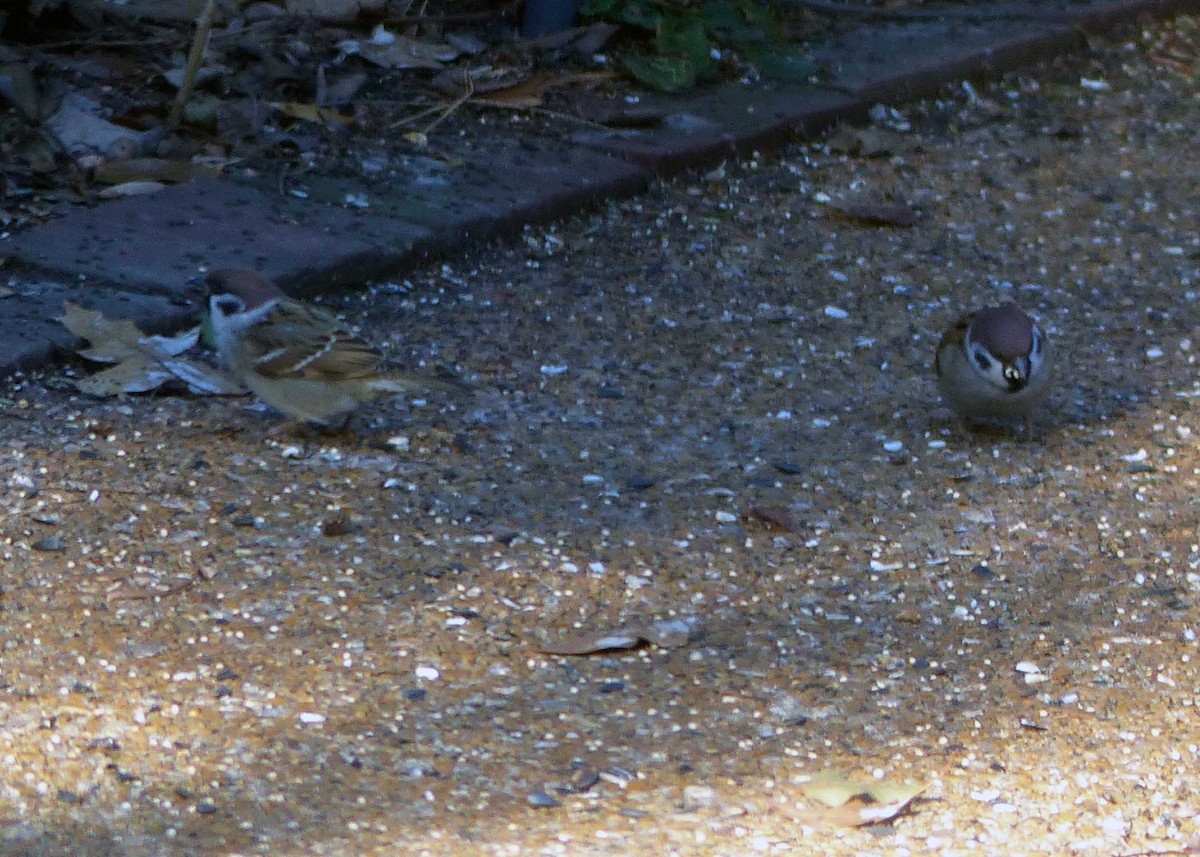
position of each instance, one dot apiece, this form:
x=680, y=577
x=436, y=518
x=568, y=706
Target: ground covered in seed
x=710, y=408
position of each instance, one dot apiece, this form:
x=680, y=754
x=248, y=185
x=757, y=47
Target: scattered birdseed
x=542, y=800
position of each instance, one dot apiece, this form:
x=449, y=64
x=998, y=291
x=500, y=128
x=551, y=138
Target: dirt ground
x=712, y=406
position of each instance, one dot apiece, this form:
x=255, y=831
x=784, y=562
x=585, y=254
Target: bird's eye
x=985, y=362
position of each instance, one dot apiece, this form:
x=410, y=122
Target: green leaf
x=636, y=13
x=738, y=22
x=684, y=36
x=758, y=14
x=779, y=61
x=722, y=15
x=669, y=74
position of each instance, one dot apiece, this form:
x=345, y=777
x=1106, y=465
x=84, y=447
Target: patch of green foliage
x=687, y=36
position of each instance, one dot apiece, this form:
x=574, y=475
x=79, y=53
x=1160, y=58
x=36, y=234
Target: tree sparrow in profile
x=296, y=357
x=994, y=363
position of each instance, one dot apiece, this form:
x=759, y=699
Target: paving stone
x=158, y=243
x=705, y=128
x=1095, y=17
x=485, y=185
x=30, y=334
x=908, y=60
x=142, y=257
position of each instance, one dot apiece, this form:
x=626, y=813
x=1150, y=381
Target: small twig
x=420, y=114
x=457, y=103
x=545, y=111
x=322, y=95
x=195, y=57
x=71, y=44
x=447, y=111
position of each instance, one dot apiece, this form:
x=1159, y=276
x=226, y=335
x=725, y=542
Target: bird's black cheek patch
x=985, y=362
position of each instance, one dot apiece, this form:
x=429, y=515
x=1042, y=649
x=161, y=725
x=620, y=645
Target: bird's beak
x=1017, y=373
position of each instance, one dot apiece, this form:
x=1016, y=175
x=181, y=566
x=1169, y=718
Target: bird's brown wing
x=298, y=341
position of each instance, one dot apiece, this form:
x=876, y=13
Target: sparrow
x=296, y=357
x=994, y=363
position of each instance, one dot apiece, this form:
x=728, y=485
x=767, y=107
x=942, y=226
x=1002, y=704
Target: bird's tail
x=400, y=383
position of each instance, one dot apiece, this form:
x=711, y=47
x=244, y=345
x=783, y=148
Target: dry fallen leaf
x=667, y=634
x=773, y=516
x=395, y=51
x=18, y=87
x=529, y=92
x=876, y=213
x=124, y=189
x=81, y=128
x=112, y=340
x=339, y=525
x=138, y=374
x=123, y=170
x=310, y=112
x=852, y=802
x=334, y=10
x=870, y=142
x=143, y=362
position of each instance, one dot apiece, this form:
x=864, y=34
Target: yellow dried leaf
x=856, y=802
x=141, y=188
x=121, y=336
x=310, y=112
x=529, y=92
x=144, y=169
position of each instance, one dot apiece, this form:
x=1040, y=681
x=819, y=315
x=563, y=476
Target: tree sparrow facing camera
x=296, y=357
x=994, y=364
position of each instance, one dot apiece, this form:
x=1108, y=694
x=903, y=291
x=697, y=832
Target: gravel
x=709, y=408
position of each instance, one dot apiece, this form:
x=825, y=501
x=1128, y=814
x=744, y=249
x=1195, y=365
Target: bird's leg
x=296, y=427
x=338, y=428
